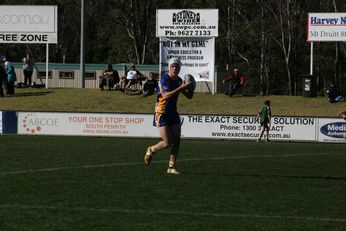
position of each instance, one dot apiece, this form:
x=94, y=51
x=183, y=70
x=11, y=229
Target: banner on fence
x=193, y=126
x=196, y=55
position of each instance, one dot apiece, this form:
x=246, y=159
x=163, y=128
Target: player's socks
x=171, y=168
x=171, y=164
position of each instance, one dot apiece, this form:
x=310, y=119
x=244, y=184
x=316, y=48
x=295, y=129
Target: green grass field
x=90, y=183
x=94, y=100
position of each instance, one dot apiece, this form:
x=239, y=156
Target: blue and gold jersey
x=163, y=105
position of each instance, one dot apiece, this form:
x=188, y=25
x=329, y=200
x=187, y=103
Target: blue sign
x=334, y=130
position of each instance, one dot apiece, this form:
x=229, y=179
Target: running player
x=166, y=117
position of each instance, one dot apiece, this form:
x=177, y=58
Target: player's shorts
x=265, y=123
x=161, y=120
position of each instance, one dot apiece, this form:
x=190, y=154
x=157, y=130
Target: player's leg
x=175, y=131
x=267, y=132
x=164, y=143
x=262, y=131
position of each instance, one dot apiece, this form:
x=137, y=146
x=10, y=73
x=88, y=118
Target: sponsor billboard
x=0, y=122
x=86, y=124
x=194, y=126
x=196, y=55
x=326, y=27
x=246, y=127
x=28, y=24
x=332, y=130
x=187, y=22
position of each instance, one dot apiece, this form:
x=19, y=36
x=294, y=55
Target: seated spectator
x=334, y=94
x=235, y=81
x=110, y=77
x=133, y=76
x=151, y=85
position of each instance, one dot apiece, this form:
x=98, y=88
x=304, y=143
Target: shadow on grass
x=24, y=94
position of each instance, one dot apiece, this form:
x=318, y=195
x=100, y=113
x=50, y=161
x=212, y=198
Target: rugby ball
x=192, y=83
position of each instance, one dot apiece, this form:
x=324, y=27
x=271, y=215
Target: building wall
x=93, y=73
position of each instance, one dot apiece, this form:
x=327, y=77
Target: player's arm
x=270, y=115
x=169, y=94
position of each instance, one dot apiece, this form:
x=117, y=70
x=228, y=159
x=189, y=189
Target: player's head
x=174, y=65
x=267, y=102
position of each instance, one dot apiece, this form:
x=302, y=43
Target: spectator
x=110, y=77
x=132, y=76
x=2, y=76
x=11, y=77
x=28, y=68
x=235, y=81
x=334, y=94
x=150, y=85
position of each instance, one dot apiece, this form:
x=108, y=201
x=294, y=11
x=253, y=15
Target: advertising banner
x=332, y=130
x=246, y=127
x=0, y=122
x=196, y=55
x=187, y=22
x=28, y=24
x=141, y=125
x=86, y=124
x=326, y=27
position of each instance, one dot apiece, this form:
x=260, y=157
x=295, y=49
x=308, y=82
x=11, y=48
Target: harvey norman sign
x=326, y=27
x=28, y=24
x=187, y=23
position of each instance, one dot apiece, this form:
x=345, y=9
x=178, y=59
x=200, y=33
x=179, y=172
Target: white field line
x=117, y=164
x=170, y=212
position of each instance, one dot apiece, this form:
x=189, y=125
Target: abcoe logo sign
x=34, y=124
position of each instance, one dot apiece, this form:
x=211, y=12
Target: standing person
x=28, y=68
x=3, y=77
x=11, y=77
x=234, y=81
x=166, y=117
x=265, y=115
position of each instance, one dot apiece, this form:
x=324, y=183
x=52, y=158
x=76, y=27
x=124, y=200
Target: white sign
x=196, y=55
x=28, y=24
x=332, y=130
x=141, y=125
x=246, y=127
x=0, y=122
x=86, y=124
x=326, y=27
x=187, y=23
